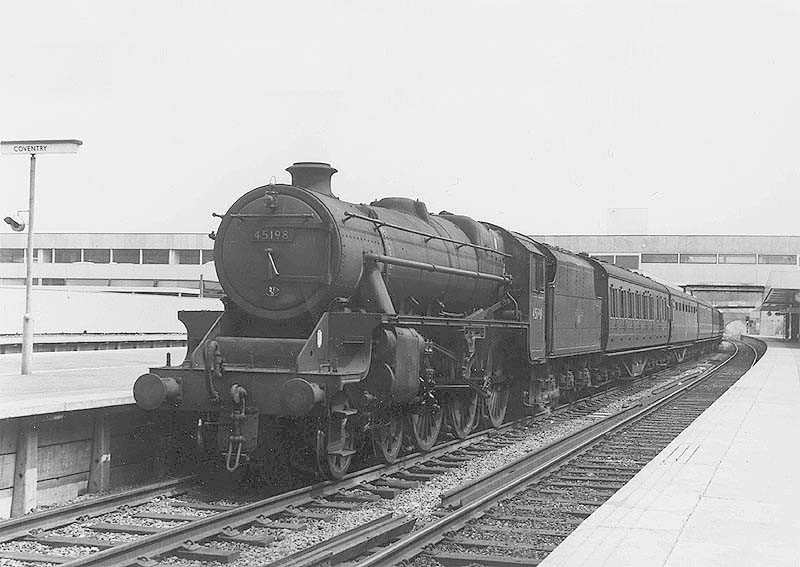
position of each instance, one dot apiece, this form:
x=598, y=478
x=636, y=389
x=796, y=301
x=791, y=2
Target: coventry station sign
x=32, y=148
x=40, y=147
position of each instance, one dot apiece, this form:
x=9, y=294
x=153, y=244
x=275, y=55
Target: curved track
x=518, y=514
x=225, y=527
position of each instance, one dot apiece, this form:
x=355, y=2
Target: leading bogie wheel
x=339, y=439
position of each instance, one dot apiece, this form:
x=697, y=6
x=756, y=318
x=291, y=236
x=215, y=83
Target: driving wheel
x=387, y=439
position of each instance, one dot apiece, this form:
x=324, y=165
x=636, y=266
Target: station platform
x=95, y=341
x=71, y=381
x=724, y=492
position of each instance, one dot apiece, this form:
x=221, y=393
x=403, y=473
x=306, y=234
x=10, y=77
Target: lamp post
x=32, y=148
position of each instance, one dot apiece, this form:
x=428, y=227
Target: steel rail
x=203, y=528
x=507, y=480
x=173, y=538
x=56, y=517
x=759, y=354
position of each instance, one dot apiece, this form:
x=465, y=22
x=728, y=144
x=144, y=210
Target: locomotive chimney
x=312, y=175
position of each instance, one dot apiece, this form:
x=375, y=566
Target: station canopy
x=782, y=292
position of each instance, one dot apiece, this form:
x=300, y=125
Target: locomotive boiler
x=385, y=322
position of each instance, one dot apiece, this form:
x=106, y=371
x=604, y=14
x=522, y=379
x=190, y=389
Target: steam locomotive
x=383, y=322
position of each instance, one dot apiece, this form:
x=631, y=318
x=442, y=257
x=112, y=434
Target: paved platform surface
x=69, y=381
x=725, y=492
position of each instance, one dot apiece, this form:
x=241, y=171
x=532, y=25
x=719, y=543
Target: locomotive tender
x=383, y=321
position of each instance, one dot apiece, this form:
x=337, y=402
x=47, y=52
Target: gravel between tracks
x=419, y=503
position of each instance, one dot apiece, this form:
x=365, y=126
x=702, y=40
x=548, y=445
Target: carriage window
x=611, y=301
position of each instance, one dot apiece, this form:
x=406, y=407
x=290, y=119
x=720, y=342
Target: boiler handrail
x=435, y=268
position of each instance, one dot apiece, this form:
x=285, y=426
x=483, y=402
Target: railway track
x=180, y=529
x=520, y=513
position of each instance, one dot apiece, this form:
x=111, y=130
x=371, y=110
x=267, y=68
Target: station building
x=730, y=271
x=165, y=263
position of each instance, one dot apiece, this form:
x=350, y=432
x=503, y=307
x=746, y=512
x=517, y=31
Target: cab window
x=537, y=273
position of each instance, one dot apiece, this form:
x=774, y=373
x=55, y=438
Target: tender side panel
x=638, y=311
x=575, y=327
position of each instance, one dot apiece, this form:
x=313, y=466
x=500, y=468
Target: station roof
x=781, y=292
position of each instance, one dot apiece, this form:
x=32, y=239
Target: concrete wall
x=62, y=310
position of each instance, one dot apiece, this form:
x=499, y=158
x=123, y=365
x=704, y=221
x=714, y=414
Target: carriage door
x=536, y=341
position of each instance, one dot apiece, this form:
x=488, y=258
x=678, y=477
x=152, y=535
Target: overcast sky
x=537, y=116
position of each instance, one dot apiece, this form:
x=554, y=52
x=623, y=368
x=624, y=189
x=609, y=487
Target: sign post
x=33, y=147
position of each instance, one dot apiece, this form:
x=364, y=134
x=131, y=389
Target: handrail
x=428, y=236
x=435, y=268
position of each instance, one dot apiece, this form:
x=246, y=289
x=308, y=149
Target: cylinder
x=151, y=390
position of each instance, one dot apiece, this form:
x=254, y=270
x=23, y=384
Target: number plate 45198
x=274, y=235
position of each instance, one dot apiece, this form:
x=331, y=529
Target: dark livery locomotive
x=386, y=322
